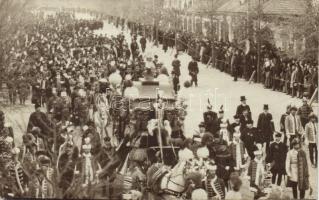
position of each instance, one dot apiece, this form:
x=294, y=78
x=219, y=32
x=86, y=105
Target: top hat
x=242, y=98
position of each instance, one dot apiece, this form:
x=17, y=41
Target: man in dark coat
x=143, y=43
x=193, y=71
x=40, y=119
x=244, y=118
x=243, y=106
x=134, y=48
x=210, y=120
x=277, y=158
x=265, y=126
x=250, y=137
x=232, y=127
x=235, y=64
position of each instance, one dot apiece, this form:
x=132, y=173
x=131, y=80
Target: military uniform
x=17, y=178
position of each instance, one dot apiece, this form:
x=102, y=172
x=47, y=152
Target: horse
x=101, y=115
x=169, y=184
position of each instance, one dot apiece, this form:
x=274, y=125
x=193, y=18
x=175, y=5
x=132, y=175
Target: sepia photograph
x=159, y=99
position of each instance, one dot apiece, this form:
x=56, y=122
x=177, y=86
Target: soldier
x=277, y=158
x=42, y=183
x=214, y=186
x=17, y=184
x=250, y=136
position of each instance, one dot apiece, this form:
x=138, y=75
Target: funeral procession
x=159, y=99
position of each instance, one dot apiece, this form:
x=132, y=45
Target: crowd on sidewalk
x=278, y=71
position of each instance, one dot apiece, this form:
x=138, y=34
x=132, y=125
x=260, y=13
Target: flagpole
x=158, y=109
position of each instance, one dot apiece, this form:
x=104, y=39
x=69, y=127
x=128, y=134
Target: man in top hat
x=276, y=156
x=304, y=111
x=193, y=71
x=293, y=125
x=214, y=186
x=256, y=172
x=243, y=106
x=250, y=136
x=311, y=131
x=265, y=126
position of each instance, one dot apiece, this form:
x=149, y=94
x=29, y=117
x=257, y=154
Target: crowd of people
x=278, y=71
x=82, y=137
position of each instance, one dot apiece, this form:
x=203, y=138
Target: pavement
x=213, y=84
